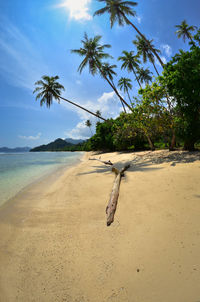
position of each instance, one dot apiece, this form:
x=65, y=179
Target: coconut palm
x=184, y=31
x=48, y=89
x=125, y=84
x=118, y=11
x=145, y=50
x=89, y=124
x=144, y=75
x=98, y=113
x=107, y=71
x=93, y=54
x=130, y=62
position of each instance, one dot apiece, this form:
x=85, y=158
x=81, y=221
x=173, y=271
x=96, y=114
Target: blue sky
x=36, y=38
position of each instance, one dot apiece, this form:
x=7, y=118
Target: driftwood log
x=102, y=161
x=112, y=205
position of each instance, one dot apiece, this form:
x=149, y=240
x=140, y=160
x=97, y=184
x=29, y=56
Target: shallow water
x=18, y=170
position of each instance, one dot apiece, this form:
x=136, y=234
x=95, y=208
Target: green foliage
x=169, y=106
x=118, y=10
x=145, y=48
x=58, y=145
x=103, y=140
x=151, y=113
x=126, y=133
x=130, y=62
x=181, y=76
x=107, y=71
x=48, y=89
x=184, y=30
x=144, y=75
x=92, y=52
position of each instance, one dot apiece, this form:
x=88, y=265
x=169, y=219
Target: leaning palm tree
x=108, y=72
x=93, y=53
x=89, y=124
x=130, y=62
x=48, y=89
x=125, y=84
x=118, y=11
x=184, y=31
x=144, y=75
x=145, y=50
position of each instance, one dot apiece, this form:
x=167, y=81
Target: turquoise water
x=18, y=170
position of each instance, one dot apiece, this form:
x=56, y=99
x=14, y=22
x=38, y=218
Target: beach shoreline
x=52, y=173
x=55, y=245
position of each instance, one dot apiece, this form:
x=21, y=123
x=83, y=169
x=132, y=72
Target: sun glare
x=78, y=9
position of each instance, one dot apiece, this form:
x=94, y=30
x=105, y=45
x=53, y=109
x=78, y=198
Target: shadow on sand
x=145, y=161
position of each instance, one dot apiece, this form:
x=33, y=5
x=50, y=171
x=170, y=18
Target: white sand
x=55, y=245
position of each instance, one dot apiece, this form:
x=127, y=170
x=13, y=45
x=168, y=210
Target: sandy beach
x=55, y=245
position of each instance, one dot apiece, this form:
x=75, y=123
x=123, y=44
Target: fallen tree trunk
x=112, y=205
x=104, y=162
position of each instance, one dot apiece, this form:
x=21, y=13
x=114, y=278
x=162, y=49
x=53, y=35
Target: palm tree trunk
x=120, y=99
x=173, y=142
x=137, y=78
x=113, y=87
x=81, y=108
x=155, y=68
x=150, y=142
x=129, y=97
x=155, y=53
x=123, y=106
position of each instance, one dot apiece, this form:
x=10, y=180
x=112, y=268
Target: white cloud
x=81, y=131
x=78, y=9
x=167, y=49
x=20, y=61
x=30, y=137
x=107, y=103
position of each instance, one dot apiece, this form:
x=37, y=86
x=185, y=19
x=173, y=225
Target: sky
x=35, y=40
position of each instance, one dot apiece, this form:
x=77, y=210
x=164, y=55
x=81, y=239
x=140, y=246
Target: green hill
x=58, y=145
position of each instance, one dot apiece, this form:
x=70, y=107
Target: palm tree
x=130, y=62
x=145, y=50
x=107, y=71
x=118, y=11
x=184, y=31
x=98, y=113
x=48, y=89
x=125, y=84
x=93, y=54
x=144, y=75
x=89, y=124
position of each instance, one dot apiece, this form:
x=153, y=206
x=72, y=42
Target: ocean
x=17, y=170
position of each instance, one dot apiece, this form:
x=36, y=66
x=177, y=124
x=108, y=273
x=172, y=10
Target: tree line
x=166, y=110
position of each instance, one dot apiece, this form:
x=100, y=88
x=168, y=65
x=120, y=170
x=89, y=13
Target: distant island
x=14, y=150
x=59, y=144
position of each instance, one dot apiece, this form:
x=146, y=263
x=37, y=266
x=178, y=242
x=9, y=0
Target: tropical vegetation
x=165, y=113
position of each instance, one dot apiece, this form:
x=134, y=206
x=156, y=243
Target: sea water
x=18, y=170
